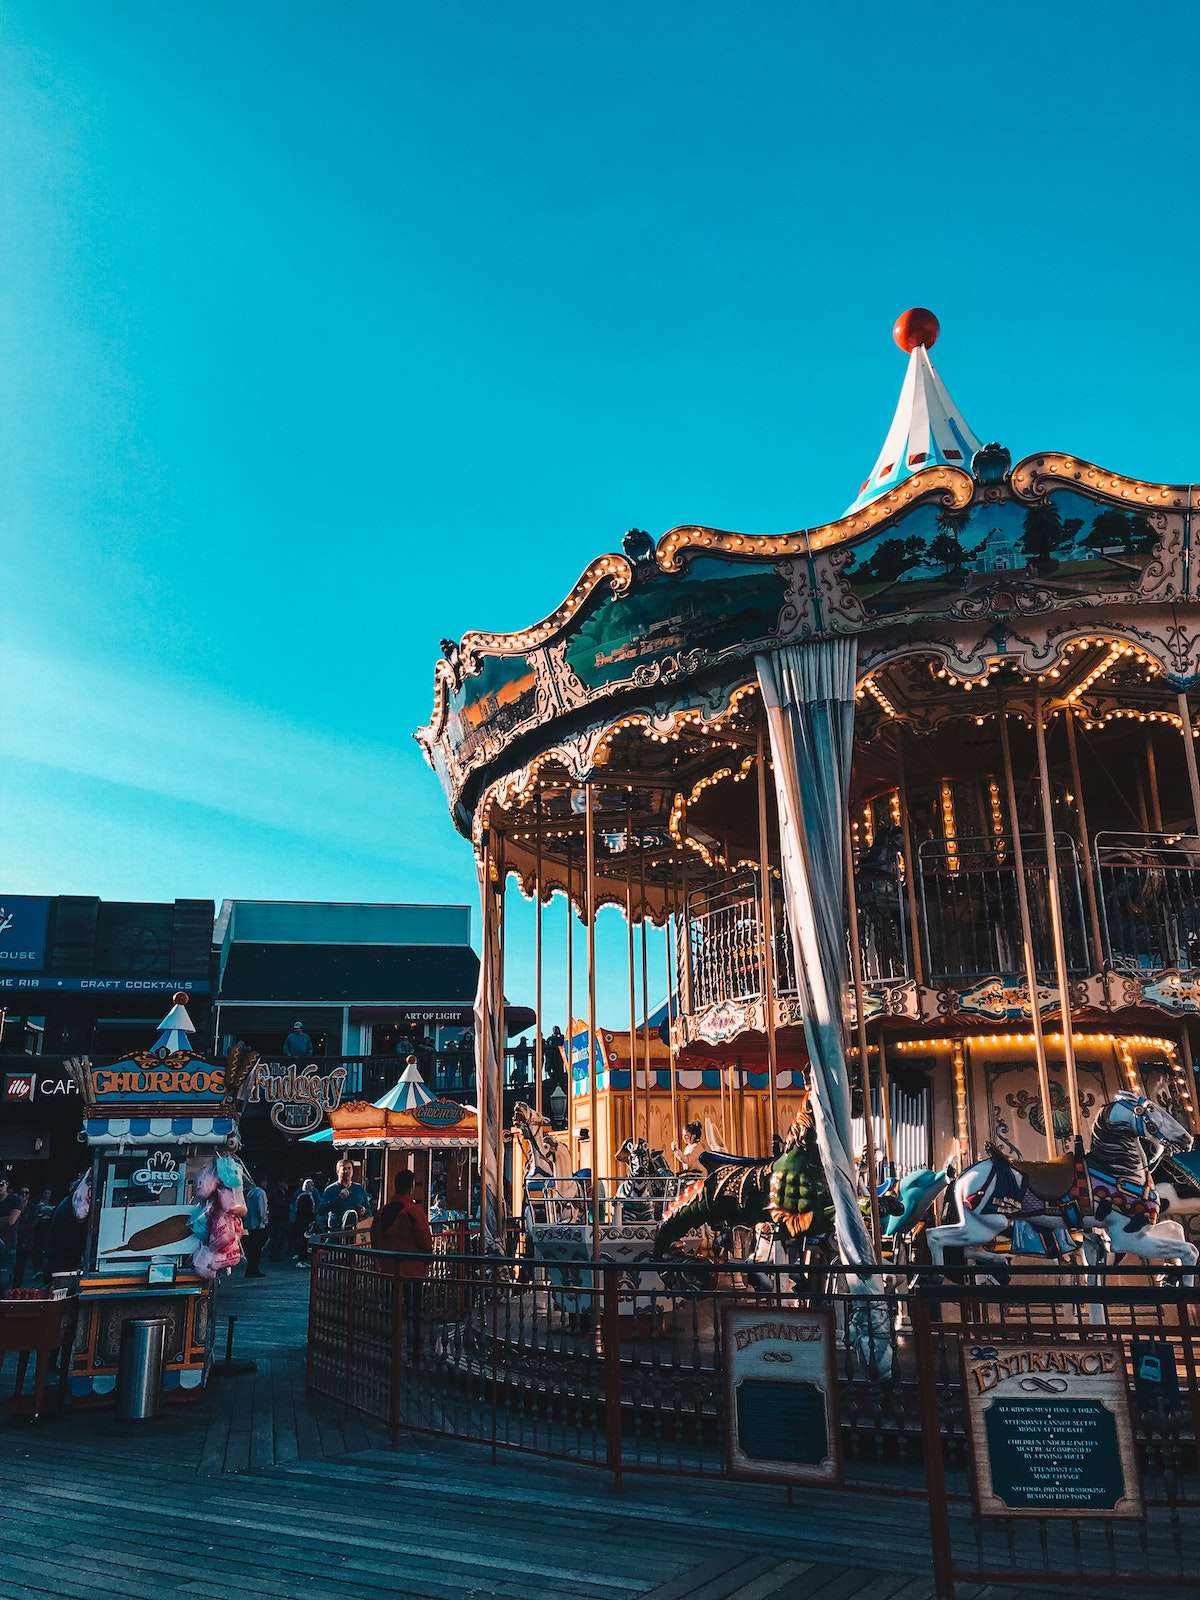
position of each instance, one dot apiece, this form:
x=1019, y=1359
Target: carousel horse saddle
x=714, y=1160
x=1049, y=1180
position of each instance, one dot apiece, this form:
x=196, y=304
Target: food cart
x=409, y=1127
x=163, y=1204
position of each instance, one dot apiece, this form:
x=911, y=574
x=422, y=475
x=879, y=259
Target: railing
x=1149, y=894
x=970, y=913
x=625, y=1368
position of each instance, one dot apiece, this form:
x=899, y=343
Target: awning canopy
x=159, y=1130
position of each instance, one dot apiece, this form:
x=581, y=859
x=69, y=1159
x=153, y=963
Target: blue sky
x=330, y=330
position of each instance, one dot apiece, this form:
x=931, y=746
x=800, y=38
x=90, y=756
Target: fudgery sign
x=298, y=1097
x=1051, y=1430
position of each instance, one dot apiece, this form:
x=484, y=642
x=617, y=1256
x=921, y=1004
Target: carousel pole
x=910, y=863
x=1152, y=780
x=632, y=983
x=885, y=1107
x=482, y=1051
x=590, y=905
x=864, y=1058
x=1189, y=755
x=537, y=962
x=645, y=987
x=672, y=988
x=1056, y=916
x=1035, y=1014
x=768, y=937
x=570, y=1010
x=1089, y=881
x=502, y=1031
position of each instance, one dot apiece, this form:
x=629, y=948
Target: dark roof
x=341, y=973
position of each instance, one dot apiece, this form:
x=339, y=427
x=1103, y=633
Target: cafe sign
x=299, y=1098
x=1051, y=1430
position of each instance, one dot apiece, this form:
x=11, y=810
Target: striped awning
x=159, y=1130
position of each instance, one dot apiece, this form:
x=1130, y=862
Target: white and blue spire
x=928, y=429
x=175, y=1027
x=408, y=1093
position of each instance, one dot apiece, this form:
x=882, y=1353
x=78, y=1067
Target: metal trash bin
x=140, y=1369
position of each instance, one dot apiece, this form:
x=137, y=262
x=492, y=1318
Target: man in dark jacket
x=403, y=1226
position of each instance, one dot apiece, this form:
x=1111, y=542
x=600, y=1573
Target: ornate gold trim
x=1030, y=474
x=951, y=485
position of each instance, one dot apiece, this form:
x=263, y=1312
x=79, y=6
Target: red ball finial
x=179, y=998
x=915, y=327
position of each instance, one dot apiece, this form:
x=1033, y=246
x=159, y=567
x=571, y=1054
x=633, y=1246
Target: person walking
x=304, y=1214
x=11, y=1207
x=257, y=1216
x=24, y=1235
x=279, y=1229
x=403, y=1226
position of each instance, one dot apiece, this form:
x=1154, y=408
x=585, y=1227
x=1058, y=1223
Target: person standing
x=279, y=1229
x=42, y=1214
x=257, y=1216
x=304, y=1214
x=24, y=1235
x=11, y=1207
x=403, y=1226
x=344, y=1200
x=297, y=1046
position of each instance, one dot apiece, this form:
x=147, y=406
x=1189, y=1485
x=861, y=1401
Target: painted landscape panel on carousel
x=933, y=554
x=492, y=703
x=714, y=607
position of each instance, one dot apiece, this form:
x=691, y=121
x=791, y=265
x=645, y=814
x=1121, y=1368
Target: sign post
x=781, y=1396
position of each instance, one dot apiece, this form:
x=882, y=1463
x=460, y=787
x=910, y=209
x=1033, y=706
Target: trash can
x=140, y=1369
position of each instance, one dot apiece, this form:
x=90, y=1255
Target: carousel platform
x=262, y=1492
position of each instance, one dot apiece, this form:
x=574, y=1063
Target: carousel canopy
x=410, y=1091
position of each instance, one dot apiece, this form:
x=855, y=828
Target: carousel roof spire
x=928, y=429
x=175, y=1026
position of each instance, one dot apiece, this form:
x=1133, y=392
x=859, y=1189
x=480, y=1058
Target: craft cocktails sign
x=1051, y=1430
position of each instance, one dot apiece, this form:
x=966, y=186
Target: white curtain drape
x=808, y=691
x=489, y=1060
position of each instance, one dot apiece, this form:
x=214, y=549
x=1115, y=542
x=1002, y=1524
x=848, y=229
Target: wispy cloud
x=173, y=739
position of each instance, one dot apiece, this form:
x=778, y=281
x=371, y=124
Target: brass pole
x=632, y=985
x=537, y=963
x=590, y=904
x=1035, y=1014
x=885, y=1106
x=910, y=864
x=1189, y=1076
x=1089, y=880
x=767, y=899
x=672, y=988
x=1189, y=756
x=741, y=1108
x=1056, y=917
x=645, y=985
x=1152, y=777
x=501, y=1196
x=864, y=1059
x=482, y=1045
x=570, y=1010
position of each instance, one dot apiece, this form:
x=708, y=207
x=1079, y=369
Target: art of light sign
x=1050, y=1429
x=299, y=1099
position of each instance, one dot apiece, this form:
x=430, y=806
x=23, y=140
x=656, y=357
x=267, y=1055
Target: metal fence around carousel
x=621, y=1367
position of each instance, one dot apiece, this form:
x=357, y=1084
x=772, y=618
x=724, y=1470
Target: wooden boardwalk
x=258, y=1492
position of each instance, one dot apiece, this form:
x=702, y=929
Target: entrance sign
x=1050, y=1429
x=781, y=1395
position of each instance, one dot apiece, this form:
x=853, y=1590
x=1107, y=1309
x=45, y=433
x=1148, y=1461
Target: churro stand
x=163, y=1204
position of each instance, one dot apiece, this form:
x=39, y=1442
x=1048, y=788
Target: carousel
x=914, y=795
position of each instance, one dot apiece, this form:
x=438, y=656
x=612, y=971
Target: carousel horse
x=1050, y=1206
x=636, y=1194
x=876, y=892
x=917, y=1193
x=788, y=1190
x=548, y=1175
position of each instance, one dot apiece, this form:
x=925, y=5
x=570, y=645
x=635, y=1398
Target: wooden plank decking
x=260, y=1492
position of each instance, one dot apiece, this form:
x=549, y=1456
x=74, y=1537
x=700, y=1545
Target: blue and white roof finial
x=409, y=1092
x=928, y=429
x=175, y=1026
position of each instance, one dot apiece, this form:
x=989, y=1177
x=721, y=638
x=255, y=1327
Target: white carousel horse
x=1118, y=1201
x=548, y=1175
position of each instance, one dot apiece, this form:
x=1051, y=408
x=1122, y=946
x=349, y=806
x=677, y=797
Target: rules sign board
x=1051, y=1430
x=781, y=1395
